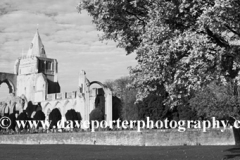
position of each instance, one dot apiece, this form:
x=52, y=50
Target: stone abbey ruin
x=34, y=87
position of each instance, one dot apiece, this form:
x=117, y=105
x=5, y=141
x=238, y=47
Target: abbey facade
x=35, y=78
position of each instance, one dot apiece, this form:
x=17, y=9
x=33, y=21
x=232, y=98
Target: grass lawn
x=95, y=152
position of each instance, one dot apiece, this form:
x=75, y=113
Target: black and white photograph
x=120, y=80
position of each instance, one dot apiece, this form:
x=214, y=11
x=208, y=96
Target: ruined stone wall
x=63, y=101
x=10, y=79
x=30, y=86
x=93, y=95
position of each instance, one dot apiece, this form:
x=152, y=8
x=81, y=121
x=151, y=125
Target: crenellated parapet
x=60, y=96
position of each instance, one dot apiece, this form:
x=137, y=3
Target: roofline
x=33, y=56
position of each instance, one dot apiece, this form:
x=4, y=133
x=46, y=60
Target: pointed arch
x=99, y=83
x=10, y=80
x=10, y=85
x=47, y=109
x=67, y=106
x=58, y=105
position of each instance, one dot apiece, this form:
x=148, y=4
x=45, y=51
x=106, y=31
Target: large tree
x=181, y=45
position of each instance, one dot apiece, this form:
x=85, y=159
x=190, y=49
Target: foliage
x=119, y=87
x=152, y=106
x=72, y=115
x=54, y=117
x=100, y=103
x=96, y=115
x=129, y=109
x=120, y=20
x=217, y=100
x=23, y=116
x=181, y=45
x=31, y=108
x=12, y=117
x=39, y=115
x=116, y=108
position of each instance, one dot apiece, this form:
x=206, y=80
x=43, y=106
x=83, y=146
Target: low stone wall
x=129, y=138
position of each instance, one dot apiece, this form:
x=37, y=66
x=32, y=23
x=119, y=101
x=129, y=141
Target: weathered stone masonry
x=36, y=78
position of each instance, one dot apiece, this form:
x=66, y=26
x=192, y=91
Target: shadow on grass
x=234, y=153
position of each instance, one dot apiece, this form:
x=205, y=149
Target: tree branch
x=218, y=39
x=133, y=14
x=229, y=28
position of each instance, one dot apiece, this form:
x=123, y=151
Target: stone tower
x=36, y=74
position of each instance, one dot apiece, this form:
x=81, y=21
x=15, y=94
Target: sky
x=68, y=36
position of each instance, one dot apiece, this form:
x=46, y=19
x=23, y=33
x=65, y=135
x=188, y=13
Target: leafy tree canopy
x=216, y=100
x=152, y=107
x=181, y=45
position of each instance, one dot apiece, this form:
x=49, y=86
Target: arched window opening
x=4, y=91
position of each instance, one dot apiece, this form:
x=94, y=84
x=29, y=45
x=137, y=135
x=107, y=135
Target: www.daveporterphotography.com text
x=181, y=125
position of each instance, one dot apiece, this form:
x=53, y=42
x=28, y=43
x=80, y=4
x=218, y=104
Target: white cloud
x=68, y=36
